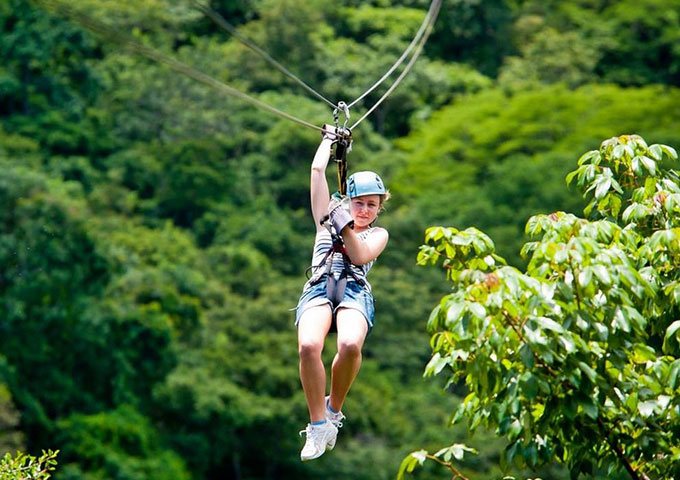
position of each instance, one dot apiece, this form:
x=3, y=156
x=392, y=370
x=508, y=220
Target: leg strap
x=335, y=288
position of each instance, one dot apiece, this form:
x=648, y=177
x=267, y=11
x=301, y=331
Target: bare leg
x=312, y=330
x=352, y=329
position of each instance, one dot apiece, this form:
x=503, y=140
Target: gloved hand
x=338, y=212
x=337, y=199
x=328, y=132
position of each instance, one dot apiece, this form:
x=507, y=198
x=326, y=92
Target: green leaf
x=647, y=407
x=454, y=312
x=602, y=186
x=670, y=151
x=567, y=342
x=643, y=353
x=649, y=164
x=590, y=408
x=550, y=324
x=673, y=291
x=436, y=364
x=588, y=156
x=571, y=176
x=527, y=355
x=621, y=320
x=602, y=274
x=673, y=374
x=671, y=335
x=655, y=151
x=585, y=277
x=528, y=385
x=409, y=463
x=477, y=310
x=590, y=373
x=433, y=320
x=618, y=151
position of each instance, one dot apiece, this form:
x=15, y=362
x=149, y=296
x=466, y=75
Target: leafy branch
x=27, y=467
x=582, y=312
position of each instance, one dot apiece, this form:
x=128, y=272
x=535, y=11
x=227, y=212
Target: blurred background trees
x=154, y=233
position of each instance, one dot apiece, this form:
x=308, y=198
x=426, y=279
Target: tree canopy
x=155, y=232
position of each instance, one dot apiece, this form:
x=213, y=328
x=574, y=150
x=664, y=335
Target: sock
x=328, y=406
x=316, y=424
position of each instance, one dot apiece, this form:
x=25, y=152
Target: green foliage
x=11, y=437
x=117, y=444
x=565, y=360
x=499, y=159
x=626, y=42
x=154, y=233
x=23, y=466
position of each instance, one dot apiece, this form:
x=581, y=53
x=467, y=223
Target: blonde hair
x=384, y=198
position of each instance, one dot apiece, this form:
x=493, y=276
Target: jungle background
x=154, y=233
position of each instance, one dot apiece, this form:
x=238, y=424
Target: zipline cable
x=219, y=20
x=408, y=66
x=126, y=40
x=148, y=52
x=416, y=38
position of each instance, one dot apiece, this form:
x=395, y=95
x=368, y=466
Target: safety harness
x=336, y=282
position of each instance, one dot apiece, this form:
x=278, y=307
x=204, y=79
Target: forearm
x=363, y=251
x=318, y=190
x=322, y=157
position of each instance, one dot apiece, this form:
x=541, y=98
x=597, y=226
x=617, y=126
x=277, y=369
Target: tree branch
x=449, y=465
x=619, y=453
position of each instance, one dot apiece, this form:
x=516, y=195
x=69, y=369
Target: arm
x=363, y=251
x=318, y=189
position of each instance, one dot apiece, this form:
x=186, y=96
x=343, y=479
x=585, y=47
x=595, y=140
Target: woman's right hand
x=328, y=133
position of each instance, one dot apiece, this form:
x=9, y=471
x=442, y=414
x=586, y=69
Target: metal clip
x=345, y=110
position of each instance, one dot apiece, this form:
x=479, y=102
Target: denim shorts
x=356, y=297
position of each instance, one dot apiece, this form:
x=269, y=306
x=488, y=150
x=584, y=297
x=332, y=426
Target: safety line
x=219, y=20
x=408, y=66
x=415, y=40
x=178, y=66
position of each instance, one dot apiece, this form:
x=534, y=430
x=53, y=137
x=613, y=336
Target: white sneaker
x=319, y=439
x=335, y=418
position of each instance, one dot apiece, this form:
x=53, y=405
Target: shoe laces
x=336, y=418
x=311, y=431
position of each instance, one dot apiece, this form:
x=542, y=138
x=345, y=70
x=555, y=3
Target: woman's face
x=364, y=209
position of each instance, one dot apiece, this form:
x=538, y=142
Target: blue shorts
x=356, y=297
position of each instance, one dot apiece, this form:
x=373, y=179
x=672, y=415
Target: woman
x=349, y=308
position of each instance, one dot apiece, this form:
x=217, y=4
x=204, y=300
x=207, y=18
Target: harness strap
x=335, y=287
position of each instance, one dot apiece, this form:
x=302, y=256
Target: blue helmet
x=365, y=183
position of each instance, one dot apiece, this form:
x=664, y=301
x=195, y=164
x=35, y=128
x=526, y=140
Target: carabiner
x=345, y=110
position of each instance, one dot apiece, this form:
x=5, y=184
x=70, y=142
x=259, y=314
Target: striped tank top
x=323, y=243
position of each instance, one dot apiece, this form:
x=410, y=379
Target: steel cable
x=219, y=20
x=416, y=38
x=148, y=52
x=408, y=66
x=102, y=29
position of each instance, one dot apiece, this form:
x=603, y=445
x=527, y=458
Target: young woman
x=349, y=308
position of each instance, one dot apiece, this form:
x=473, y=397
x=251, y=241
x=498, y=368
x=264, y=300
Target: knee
x=309, y=350
x=349, y=349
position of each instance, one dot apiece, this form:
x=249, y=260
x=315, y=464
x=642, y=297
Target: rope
x=219, y=20
x=408, y=66
x=415, y=40
x=176, y=65
x=99, y=28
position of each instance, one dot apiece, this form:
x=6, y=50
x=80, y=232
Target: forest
x=154, y=232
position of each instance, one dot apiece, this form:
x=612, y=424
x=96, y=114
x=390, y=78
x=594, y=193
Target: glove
x=339, y=213
x=337, y=199
x=328, y=133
